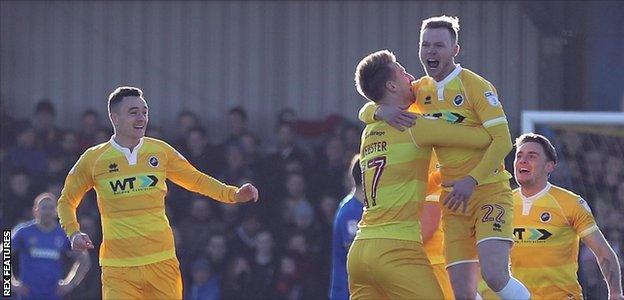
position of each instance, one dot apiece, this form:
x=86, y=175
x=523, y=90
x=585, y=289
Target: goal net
x=590, y=146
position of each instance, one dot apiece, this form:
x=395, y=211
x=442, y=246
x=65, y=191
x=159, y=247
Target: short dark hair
x=444, y=21
x=119, y=93
x=372, y=73
x=45, y=106
x=549, y=149
x=356, y=171
x=239, y=111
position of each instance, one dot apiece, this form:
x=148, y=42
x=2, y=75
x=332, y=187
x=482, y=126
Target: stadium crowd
x=278, y=248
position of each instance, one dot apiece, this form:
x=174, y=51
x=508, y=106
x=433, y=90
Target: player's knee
x=496, y=280
x=465, y=294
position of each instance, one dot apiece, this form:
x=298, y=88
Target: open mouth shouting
x=523, y=171
x=432, y=63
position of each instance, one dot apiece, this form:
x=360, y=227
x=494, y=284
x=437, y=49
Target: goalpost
x=531, y=117
x=590, y=147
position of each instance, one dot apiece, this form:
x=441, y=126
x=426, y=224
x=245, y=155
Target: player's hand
x=21, y=289
x=81, y=241
x=63, y=288
x=397, y=117
x=462, y=191
x=246, y=192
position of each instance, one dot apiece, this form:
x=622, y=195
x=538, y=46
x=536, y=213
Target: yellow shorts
x=390, y=269
x=161, y=280
x=444, y=280
x=489, y=215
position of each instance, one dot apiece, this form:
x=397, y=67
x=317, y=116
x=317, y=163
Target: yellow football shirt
x=395, y=166
x=466, y=98
x=547, y=228
x=131, y=189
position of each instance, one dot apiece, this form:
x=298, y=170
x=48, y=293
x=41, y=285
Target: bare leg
x=464, y=278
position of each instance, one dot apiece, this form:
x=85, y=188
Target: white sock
x=514, y=290
x=478, y=297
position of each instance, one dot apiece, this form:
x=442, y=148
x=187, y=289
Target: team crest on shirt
x=584, y=204
x=492, y=98
x=58, y=242
x=428, y=100
x=153, y=161
x=458, y=100
x=545, y=217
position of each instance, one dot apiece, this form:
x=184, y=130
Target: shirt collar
x=450, y=76
x=131, y=156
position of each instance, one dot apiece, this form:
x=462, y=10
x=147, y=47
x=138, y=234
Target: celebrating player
x=128, y=174
x=549, y=220
x=387, y=259
x=480, y=234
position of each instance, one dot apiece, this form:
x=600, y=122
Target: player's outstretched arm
x=246, y=192
x=182, y=173
x=608, y=262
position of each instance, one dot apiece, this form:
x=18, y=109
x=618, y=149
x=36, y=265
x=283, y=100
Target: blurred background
x=263, y=91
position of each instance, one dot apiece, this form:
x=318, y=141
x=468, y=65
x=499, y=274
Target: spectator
x=286, y=150
x=199, y=224
x=216, y=252
x=244, y=240
x=205, y=284
x=47, y=134
x=330, y=174
x=198, y=150
x=90, y=124
x=185, y=121
x=264, y=266
x=237, y=280
x=288, y=284
x=236, y=167
x=18, y=196
x=237, y=125
x=26, y=155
